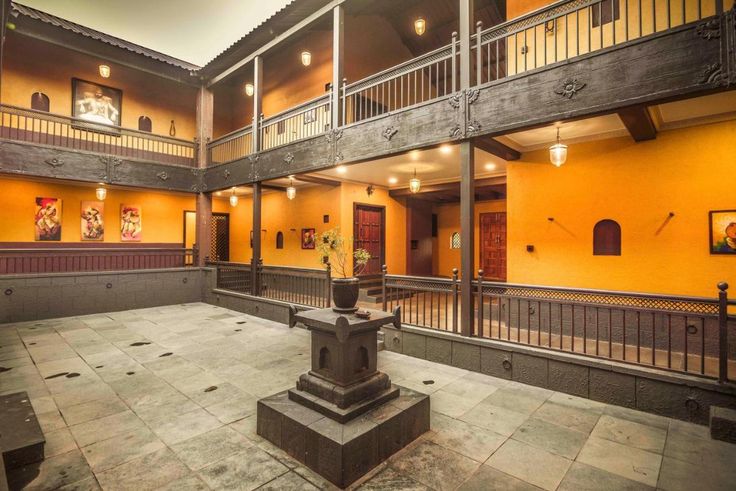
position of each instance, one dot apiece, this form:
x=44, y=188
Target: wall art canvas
x=723, y=232
x=308, y=238
x=131, y=226
x=96, y=103
x=48, y=219
x=93, y=220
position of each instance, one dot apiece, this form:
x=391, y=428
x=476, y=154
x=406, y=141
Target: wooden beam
x=338, y=63
x=324, y=181
x=447, y=186
x=639, y=122
x=256, y=256
x=467, y=26
x=203, y=224
x=467, y=236
x=495, y=147
x=257, y=102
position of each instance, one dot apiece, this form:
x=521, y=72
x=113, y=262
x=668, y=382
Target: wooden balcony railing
x=233, y=146
x=28, y=125
x=306, y=120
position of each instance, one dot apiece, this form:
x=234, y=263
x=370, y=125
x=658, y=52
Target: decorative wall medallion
x=163, y=176
x=714, y=74
x=709, y=30
x=473, y=95
x=54, y=163
x=254, y=158
x=456, y=99
x=570, y=88
x=333, y=135
x=289, y=158
x=339, y=157
x=456, y=131
x=226, y=174
x=473, y=127
x=389, y=132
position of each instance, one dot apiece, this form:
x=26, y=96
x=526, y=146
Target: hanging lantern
x=233, y=198
x=249, y=90
x=558, y=152
x=414, y=183
x=420, y=26
x=101, y=193
x=306, y=58
x=291, y=190
x=104, y=71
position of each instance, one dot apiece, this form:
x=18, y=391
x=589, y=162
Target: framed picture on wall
x=92, y=222
x=47, y=221
x=131, y=224
x=97, y=104
x=308, y=238
x=722, y=227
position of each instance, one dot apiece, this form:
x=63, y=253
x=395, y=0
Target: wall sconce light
x=233, y=198
x=104, y=71
x=101, y=193
x=420, y=26
x=249, y=90
x=291, y=190
x=558, y=152
x=369, y=190
x=306, y=58
x=414, y=183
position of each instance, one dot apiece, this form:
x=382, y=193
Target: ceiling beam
x=446, y=187
x=638, y=122
x=324, y=181
x=495, y=147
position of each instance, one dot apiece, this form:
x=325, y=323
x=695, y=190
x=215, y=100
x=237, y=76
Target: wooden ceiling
x=485, y=189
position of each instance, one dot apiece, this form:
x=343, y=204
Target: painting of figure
x=723, y=232
x=93, y=223
x=131, y=228
x=96, y=103
x=48, y=219
x=308, y=235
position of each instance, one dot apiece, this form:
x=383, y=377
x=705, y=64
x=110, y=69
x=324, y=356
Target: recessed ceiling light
x=341, y=169
x=490, y=166
x=392, y=180
x=446, y=149
x=414, y=154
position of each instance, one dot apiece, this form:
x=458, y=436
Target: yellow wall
x=687, y=171
x=448, y=222
x=162, y=213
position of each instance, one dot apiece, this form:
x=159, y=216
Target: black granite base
x=342, y=453
x=21, y=439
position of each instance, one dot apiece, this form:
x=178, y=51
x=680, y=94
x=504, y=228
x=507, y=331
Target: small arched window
x=607, y=238
x=280, y=240
x=144, y=124
x=455, y=240
x=40, y=102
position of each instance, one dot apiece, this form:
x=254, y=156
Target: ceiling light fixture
x=341, y=169
x=306, y=58
x=490, y=166
x=392, y=180
x=420, y=26
x=249, y=90
x=291, y=190
x=446, y=149
x=104, y=71
x=414, y=183
x=101, y=193
x=233, y=198
x=558, y=152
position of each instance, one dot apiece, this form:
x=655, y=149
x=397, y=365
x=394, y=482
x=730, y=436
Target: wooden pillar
x=203, y=228
x=467, y=235
x=338, y=62
x=256, y=257
x=467, y=9
x=257, y=102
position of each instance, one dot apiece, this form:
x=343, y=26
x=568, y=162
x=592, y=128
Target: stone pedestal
x=344, y=417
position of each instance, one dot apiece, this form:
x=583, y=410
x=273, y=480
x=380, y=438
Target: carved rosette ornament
x=710, y=29
x=289, y=158
x=163, y=175
x=570, y=87
x=333, y=136
x=226, y=175
x=389, y=132
x=54, y=163
x=714, y=75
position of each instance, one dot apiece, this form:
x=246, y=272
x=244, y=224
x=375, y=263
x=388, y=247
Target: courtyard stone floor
x=165, y=398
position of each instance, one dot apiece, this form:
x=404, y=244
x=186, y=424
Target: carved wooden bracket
x=199, y=185
x=389, y=132
x=710, y=29
x=111, y=163
x=333, y=137
x=226, y=175
x=461, y=101
x=714, y=75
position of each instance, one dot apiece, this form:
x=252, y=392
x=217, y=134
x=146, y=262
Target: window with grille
x=605, y=12
x=607, y=238
x=455, y=240
x=40, y=102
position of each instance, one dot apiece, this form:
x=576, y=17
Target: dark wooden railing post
x=479, y=325
x=455, y=300
x=723, y=332
x=383, y=287
x=328, y=293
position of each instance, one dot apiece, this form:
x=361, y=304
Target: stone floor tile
x=216, y=394
x=246, y=470
x=103, y=428
x=52, y=473
x=677, y=475
x=50, y=421
x=553, y=438
x=390, y=478
x=191, y=482
x=210, y=447
x=530, y=464
x=157, y=406
x=486, y=478
x=629, y=462
x=148, y=472
x=699, y=451
x=88, y=411
x=114, y=451
x=419, y=462
x=291, y=481
x=499, y=420
x=575, y=418
x=58, y=442
x=630, y=433
x=472, y=441
x=234, y=409
x=175, y=429
x=89, y=484
x=583, y=477
x=470, y=389
x=87, y=393
x=692, y=430
x=518, y=400
x=451, y=404
x=637, y=416
x=43, y=404
x=577, y=402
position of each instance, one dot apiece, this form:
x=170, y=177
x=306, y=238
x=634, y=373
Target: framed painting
x=93, y=220
x=308, y=238
x=97, y=104
x=47, y=221
x=131, y=226
x=722, y=225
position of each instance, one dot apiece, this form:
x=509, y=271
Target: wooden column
x=467, y=235
x=257, y=102
x=203, y=228
x=338, y=62
x=467, y=9
x=256, y=257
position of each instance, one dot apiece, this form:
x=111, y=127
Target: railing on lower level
x=303, y=286
x=74, y=260
x=29, y=125
x=683, y=334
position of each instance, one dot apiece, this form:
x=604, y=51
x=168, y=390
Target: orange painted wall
x=448, y=222
x=30, y=65
x=687, y=171
x=162, y=213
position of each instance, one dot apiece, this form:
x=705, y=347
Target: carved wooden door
x=369, y=235
x=493, y=245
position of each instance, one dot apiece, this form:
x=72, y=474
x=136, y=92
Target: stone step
x=21, y=439
x=723, y=424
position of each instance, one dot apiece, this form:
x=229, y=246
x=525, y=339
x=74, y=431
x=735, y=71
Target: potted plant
x=333, y=248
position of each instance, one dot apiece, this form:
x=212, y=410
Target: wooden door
x=220, y=244
x=369, y=235
x=493, y=245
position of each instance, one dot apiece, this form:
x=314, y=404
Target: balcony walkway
x=165, y=398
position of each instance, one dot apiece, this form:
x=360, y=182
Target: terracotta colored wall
x=31, y=65
x=162, y=213
x=688, y=172
x=448, y=222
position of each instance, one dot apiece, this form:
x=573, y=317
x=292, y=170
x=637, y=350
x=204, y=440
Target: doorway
x=493, y=245
x=220, y=243
x=369, y=233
